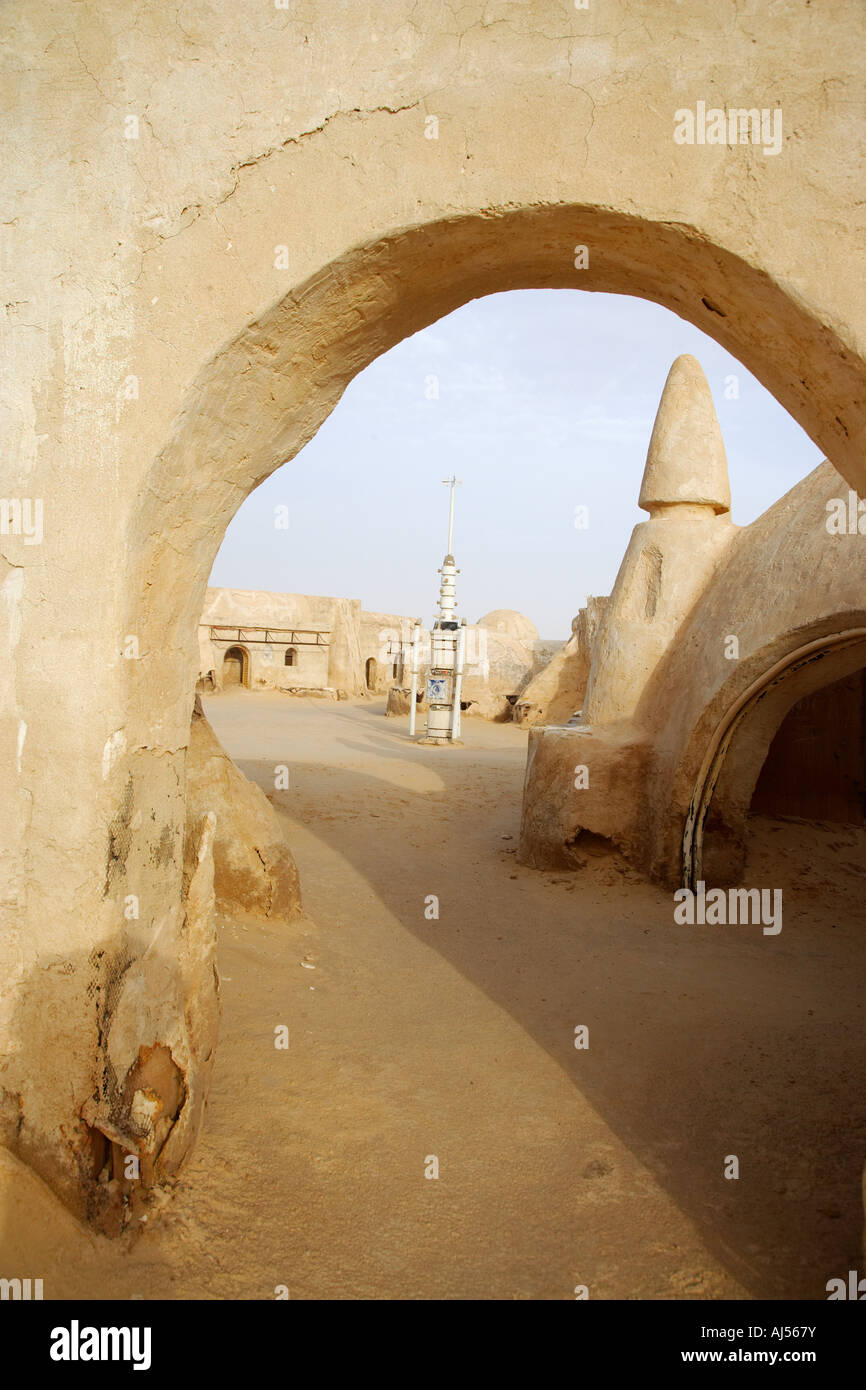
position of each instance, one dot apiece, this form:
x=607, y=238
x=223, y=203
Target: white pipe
x=451, y=482
x=458, y=680
x=416, y=630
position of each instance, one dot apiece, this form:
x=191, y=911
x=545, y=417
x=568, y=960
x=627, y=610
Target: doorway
x=234, y=668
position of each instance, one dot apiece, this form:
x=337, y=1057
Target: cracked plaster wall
x=155, y=258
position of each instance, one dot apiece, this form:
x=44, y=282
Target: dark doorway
x=234, y=667
x=816, y=765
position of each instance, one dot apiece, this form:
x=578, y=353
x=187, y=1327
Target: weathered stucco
x=253, y=868
x=644, y=770
x=185, y=306
x=557, y=693
x=327, y=654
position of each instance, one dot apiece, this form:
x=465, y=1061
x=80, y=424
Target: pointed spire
x=686, y=459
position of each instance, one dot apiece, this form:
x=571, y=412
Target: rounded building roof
x=510, y=623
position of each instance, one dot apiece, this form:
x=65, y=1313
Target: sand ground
x=413, y=1036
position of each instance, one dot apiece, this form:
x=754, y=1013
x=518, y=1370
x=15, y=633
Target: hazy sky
x=546, y=400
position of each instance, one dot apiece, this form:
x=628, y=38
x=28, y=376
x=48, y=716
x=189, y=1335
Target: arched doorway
x=743, y=760
x=298, y=357
x=371, y=672
x=235, y=668
x=295, y=361
x=814, y=768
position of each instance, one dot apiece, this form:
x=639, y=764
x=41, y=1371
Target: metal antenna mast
x=451, y=482
x=447, y=650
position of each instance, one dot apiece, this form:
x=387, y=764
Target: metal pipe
x=416, y=630
x=451, y=482
x=458, y=680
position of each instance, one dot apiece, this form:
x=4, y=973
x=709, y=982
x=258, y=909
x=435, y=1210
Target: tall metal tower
x=447, y=650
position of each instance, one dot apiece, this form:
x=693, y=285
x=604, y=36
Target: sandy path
x=454, y=1037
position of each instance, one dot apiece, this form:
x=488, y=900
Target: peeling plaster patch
x=119, y=839
x=114, y=746
x=144, y=1110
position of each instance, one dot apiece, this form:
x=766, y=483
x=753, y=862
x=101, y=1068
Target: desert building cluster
x=310, y=645
x=204, y=242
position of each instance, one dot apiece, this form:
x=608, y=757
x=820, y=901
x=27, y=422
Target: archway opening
x=234, y=672
x=405, y=805
x=815, y=768
x=263, y=398
x=295, y=362
x=791, y=747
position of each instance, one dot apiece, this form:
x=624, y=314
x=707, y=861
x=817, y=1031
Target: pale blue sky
x=546, y=400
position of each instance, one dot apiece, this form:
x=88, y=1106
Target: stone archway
x=264, y=396
x=268, y=391
x=713, y=846
x=201, y=332
x=235, y=670
x=815, y=768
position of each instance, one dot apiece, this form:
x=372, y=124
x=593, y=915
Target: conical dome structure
x=686, y=459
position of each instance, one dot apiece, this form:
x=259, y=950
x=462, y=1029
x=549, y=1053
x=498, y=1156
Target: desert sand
x=412, y=1037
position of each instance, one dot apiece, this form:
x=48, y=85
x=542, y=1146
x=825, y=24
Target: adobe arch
x=256, y=404
x=264, y=395
x=714, y=833
x=252, y=407
x=552, y=134
x=235, y=667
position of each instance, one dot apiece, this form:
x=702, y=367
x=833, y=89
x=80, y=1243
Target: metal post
x=416, y=633
x=458, y=680
x=451, y=482
x=444, y=642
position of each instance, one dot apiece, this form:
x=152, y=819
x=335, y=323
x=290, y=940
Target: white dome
x=510, y=623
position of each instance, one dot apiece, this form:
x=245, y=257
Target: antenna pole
x=451, y=482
